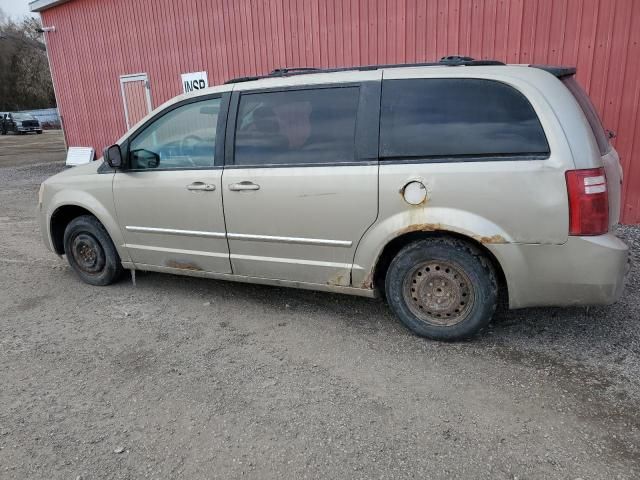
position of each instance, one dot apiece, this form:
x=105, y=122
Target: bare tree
x=25, y=79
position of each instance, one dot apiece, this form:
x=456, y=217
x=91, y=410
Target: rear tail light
x=588, y=201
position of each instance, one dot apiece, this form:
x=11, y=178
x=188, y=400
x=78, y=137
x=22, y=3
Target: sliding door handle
x=201, y=186
x=238, y=187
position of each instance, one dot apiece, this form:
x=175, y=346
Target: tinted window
x=297, y=126
x=457, y=117
x=185, y=137
x=590, y=112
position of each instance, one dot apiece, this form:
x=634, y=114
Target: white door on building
x=136, y=95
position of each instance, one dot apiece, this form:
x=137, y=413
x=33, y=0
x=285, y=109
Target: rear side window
x=458, y=118
x=590, y=112
x=297, y=127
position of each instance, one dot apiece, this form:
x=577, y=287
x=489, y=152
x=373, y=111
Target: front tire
x=90, y=251
x=442, y=288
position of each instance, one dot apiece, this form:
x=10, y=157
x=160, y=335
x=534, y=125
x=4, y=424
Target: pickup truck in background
x=21, y=123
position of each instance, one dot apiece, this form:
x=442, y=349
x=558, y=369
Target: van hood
x=87, y=169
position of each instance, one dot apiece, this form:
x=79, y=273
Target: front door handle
x=206, y=187
x=238, y=187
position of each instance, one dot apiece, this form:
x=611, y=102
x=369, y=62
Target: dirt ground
x=192, y=378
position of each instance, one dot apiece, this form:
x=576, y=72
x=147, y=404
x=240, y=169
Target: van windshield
x=590, y=112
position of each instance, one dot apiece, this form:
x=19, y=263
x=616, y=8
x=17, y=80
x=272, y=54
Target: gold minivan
x=437, y=186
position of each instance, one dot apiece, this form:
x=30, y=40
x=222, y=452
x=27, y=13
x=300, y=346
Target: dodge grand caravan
x=437, y=186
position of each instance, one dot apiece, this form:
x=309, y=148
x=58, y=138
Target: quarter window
x=185, y=137
x=453, y=118
x=297, y=127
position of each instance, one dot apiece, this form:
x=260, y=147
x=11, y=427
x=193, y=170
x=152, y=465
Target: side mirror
x=113, y=156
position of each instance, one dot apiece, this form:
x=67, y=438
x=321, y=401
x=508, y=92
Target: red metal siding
x=96, y=41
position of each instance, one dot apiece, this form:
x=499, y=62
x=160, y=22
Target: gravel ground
x=191, y=378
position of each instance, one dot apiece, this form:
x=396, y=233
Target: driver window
x=183, y=138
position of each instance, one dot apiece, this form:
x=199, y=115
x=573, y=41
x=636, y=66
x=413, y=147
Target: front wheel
x=442, y=288
x=90, y=251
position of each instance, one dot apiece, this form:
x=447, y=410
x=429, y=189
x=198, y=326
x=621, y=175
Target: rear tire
x=90, y=251
x=442, y=288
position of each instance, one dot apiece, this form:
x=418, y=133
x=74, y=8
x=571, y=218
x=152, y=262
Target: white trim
x=41, y=5
x=55, y=90
x=242, y=236
x=174, y=231
x=298, y=240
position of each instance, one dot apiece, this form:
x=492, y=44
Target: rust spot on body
x=492, y=239
x=368, y=281
x=181, y=265
x=433, y=227
x=341, y=279
x=421, y=227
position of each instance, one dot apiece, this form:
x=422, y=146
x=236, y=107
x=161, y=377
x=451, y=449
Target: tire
x=90, y=251
x=39, y=132
x=442, y=288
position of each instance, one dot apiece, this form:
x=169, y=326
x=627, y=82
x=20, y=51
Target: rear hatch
x=609, y=156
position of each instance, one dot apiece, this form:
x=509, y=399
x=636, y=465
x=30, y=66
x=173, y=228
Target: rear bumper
x=582, y=271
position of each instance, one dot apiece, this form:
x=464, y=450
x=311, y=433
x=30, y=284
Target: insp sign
x=194, y=81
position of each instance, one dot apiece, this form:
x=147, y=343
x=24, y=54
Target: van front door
x=169, y=200
x=302, y=185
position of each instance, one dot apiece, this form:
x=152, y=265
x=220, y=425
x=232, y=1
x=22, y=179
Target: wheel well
x=398, y=243
x=59, y=221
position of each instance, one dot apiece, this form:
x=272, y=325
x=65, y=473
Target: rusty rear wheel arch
x=392, y=248
x=59, y=221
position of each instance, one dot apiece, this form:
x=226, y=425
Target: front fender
x=99, y=205
x=420, y=219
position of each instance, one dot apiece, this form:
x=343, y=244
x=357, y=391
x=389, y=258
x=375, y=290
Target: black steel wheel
x=442, y=288
x=90, y=251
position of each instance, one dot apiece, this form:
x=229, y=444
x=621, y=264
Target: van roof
x=449, y=61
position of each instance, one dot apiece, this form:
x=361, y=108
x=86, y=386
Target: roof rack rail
x=451, y=61
x=280, y=72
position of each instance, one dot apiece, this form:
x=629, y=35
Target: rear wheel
x=442, y=288
x=90, y=251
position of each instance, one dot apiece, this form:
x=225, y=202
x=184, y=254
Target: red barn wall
x=96, y=41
